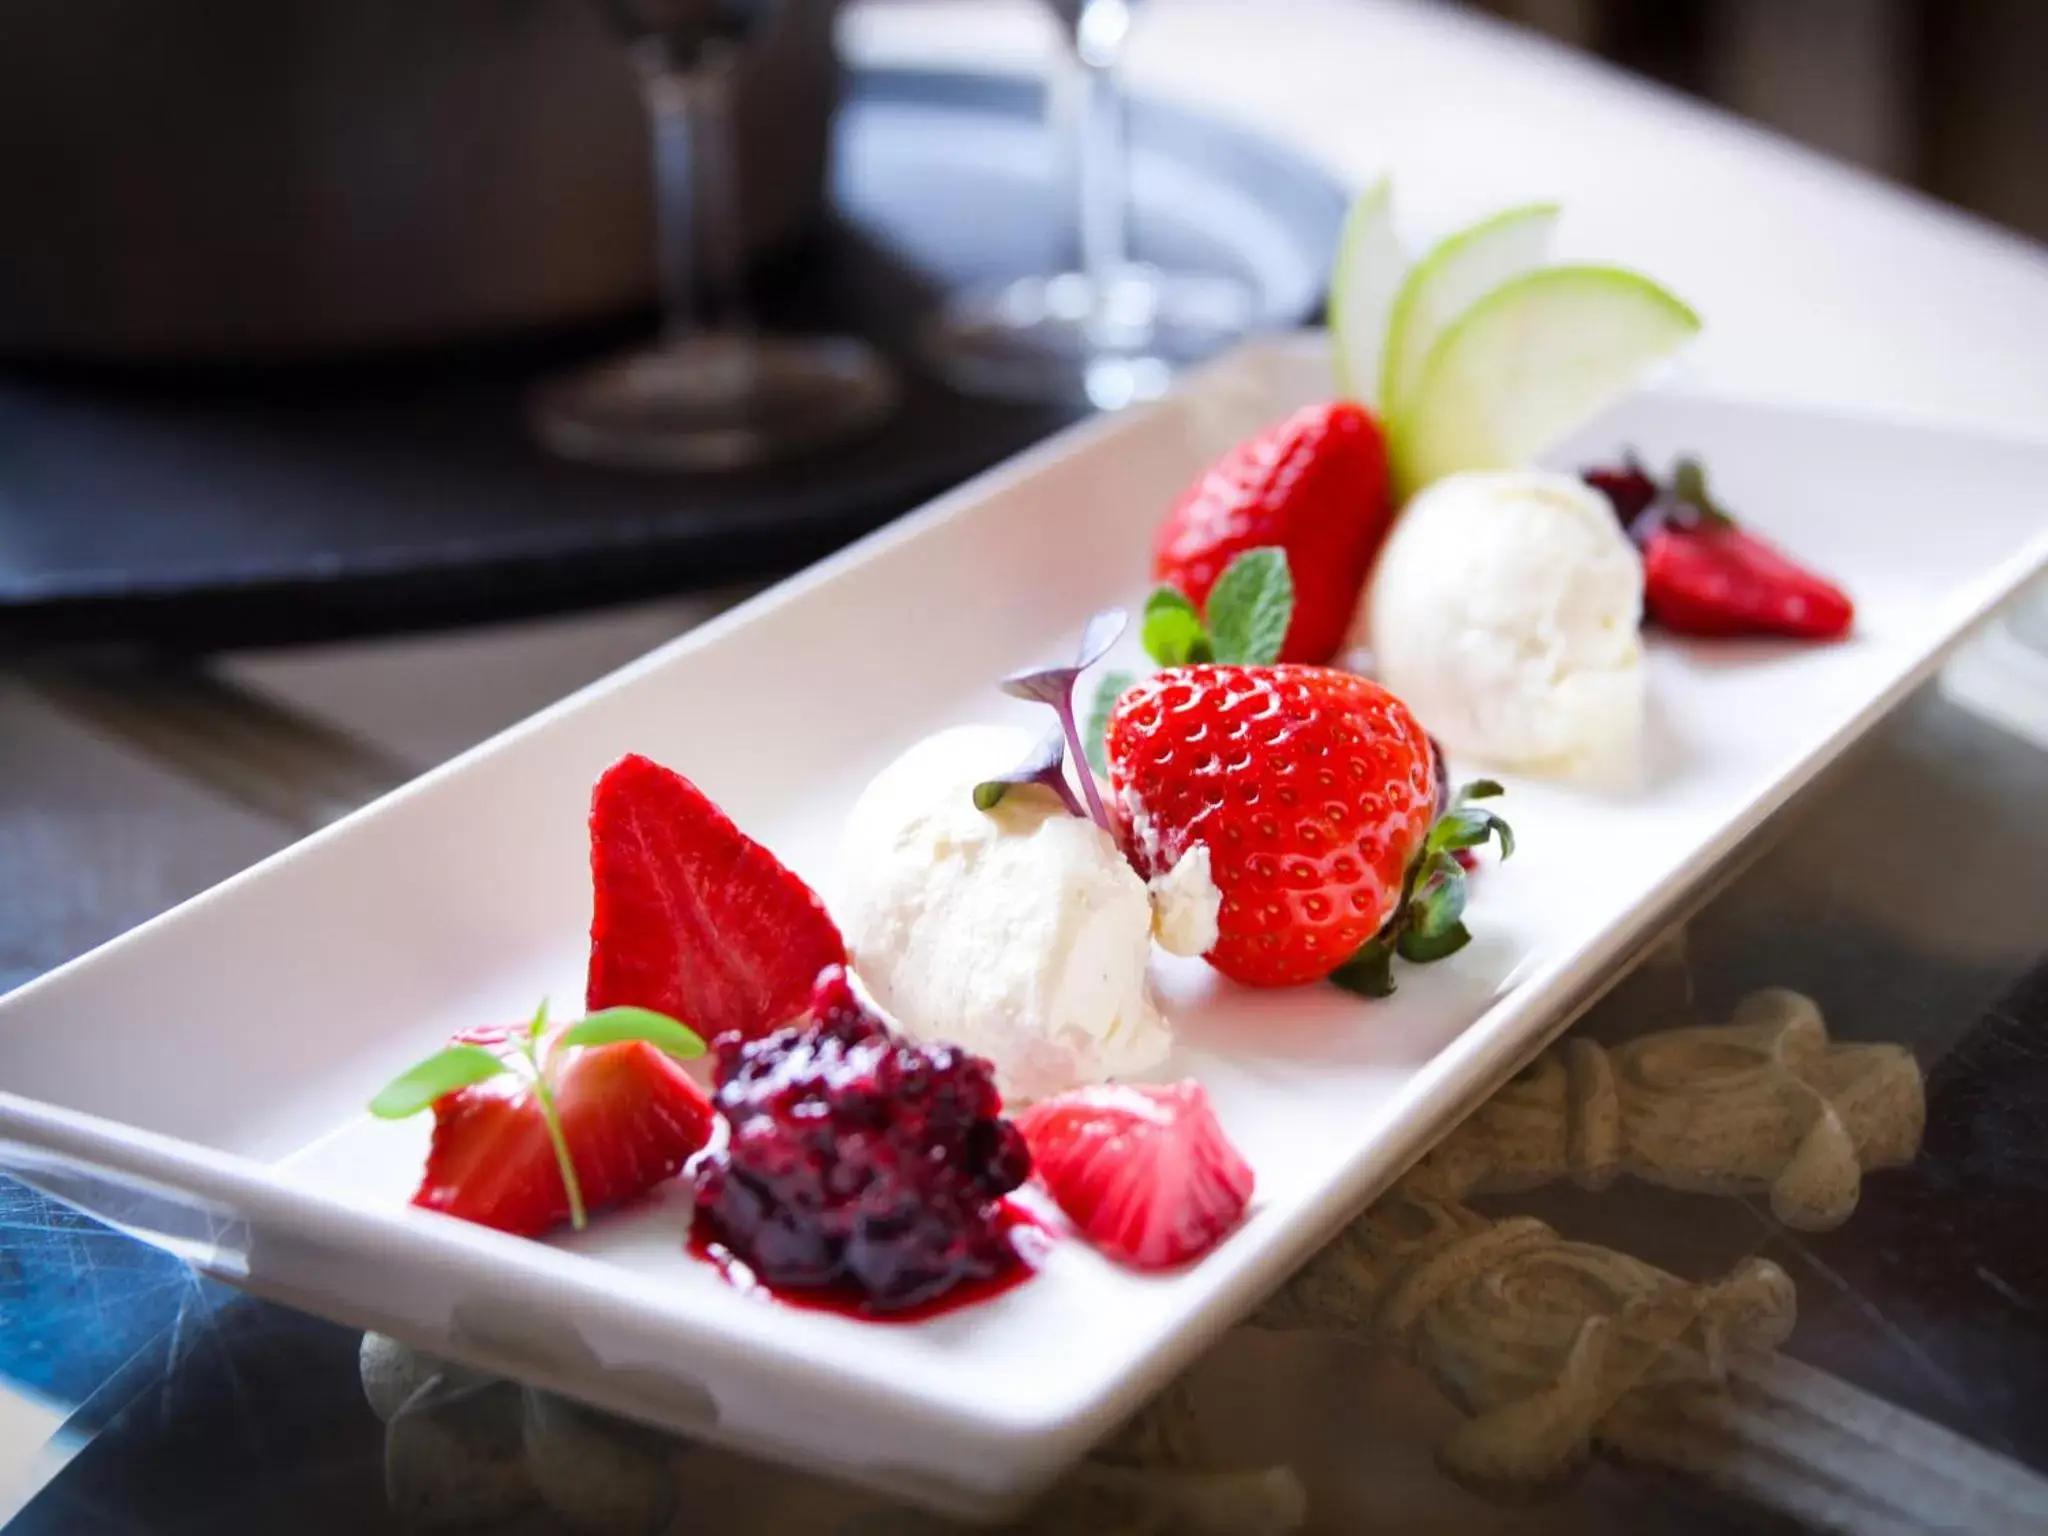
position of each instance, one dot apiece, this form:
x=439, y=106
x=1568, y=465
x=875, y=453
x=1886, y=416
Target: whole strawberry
x=1314, y=486
x=1317, y=795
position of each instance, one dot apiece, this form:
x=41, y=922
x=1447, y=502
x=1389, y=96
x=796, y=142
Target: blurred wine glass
x=1114, y=330
x=712, y=391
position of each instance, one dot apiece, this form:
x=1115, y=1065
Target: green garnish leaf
x=539, y=1025
x=614, y=1026
x=458, y=1066
x=1249, y=608
x=1370, y=972
x=1110, y=687
x=1480, y=789
x=1173, y=633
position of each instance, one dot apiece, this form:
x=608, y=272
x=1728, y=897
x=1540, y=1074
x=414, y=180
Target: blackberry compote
x=860, y=1167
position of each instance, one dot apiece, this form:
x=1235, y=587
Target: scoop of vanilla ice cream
x=1020, y=932
x=1504, y=611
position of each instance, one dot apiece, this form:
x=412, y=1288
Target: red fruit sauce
x=1027, y=1234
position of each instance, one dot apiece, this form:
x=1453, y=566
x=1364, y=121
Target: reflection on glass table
x=1753, y=1246
x=713, y=392
x=1113, y=330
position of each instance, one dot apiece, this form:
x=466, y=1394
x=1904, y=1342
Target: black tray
x=196, y=513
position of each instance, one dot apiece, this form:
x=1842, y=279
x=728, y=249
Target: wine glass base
x=1069, y=339
x=715, y=401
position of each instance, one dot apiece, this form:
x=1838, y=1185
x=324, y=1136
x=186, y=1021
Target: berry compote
x=860, y=1166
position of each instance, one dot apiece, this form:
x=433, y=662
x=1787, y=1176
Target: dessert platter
x=895, y=1027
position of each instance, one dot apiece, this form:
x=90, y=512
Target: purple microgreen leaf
x=1172, y=632
x=551, y=1117
x=418, y=1087
x=1110, y=687
x=616, y=1026
x=1250, y=607
x=1054, y=686
x=1046, y=764
x=1099, y=635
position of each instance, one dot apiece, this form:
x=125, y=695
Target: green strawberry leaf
x=1250, y=606
x=1370, y=972
x=1172, y=632
x=1480, y=789
x=1464, y=826
x=1437, y=901
x=1110, y=687
x=1422, y=948
x=417, y=1088
x=615, y=1026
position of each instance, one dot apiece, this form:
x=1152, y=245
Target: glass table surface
x=1756, y=1246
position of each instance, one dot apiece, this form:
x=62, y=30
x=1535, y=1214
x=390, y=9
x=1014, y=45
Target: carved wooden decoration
x=1764, y=1104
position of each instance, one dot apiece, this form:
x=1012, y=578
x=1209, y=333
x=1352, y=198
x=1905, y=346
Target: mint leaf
x=614, y=1026
x=1046, y=765
x=415, y=1089
x=1172, y=631
x=1250, y=607
x=1108, y=689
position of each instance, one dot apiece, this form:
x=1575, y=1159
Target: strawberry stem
x=1428, y=921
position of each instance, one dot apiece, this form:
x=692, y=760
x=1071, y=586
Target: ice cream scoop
x=1019, y=932
x=1504, y=611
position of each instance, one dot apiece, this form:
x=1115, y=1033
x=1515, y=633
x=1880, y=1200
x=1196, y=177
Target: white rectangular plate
x=200, y=1080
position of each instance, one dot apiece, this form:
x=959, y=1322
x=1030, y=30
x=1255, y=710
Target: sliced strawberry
x=1315, y=486
x=692, y=917
x=1145, y=1172
x=1720, y=579
x=630, y=1116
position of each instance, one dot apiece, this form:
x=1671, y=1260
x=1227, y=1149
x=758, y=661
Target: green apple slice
x=1370, y=262
x=1537, y=357
x=1461, y=270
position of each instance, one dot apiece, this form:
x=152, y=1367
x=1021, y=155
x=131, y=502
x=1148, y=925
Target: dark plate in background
x=198, y=513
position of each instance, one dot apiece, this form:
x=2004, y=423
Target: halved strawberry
x=693, y=918
x=1145, y=1172
x=630, y=1118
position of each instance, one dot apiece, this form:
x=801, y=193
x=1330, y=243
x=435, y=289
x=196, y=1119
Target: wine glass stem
x=699, y=252
x=1103, y=168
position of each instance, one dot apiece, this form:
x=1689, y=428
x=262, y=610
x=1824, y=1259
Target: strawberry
x=1705, y=574
x=1313, y=790
x=1719, y=579
x=1145, y=1172
x=1318, y=797
x=630, y=1118
x=1314, y=486
x=693, y=918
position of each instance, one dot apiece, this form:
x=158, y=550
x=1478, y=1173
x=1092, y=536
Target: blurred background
x=1942, y=95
